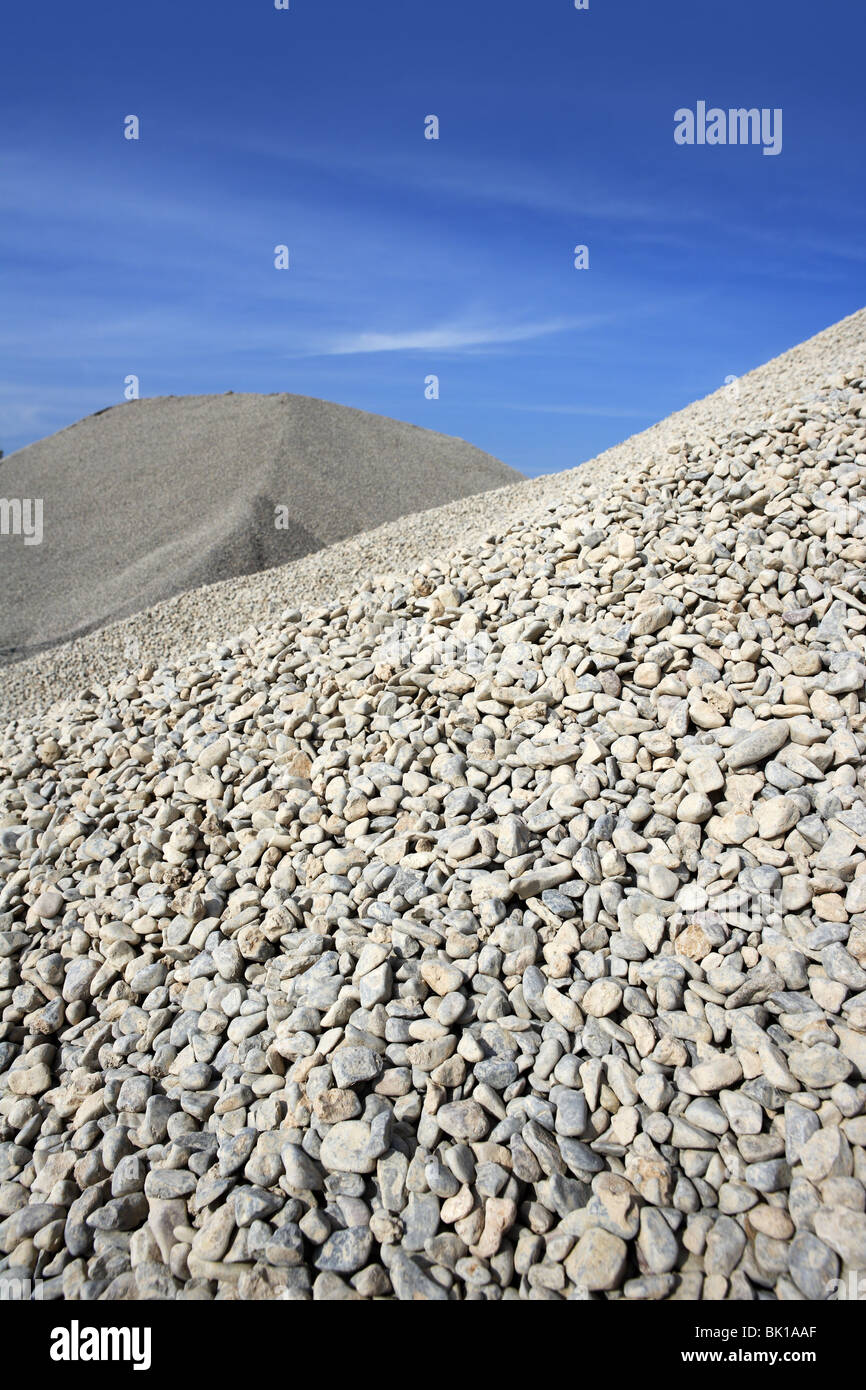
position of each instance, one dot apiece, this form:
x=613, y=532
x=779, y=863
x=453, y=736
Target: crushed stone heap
x=498, y=933
x=173, y=628
x=155, y=497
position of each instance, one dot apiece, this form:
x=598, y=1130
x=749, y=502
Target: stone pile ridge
x=494, y=929
x=173, y=628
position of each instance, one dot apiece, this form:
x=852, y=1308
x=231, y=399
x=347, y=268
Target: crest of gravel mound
x=498, y=933
x=154, y=497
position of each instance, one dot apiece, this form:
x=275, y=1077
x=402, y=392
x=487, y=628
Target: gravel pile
x=171, y=630
x=158, y=496
x=498, y=933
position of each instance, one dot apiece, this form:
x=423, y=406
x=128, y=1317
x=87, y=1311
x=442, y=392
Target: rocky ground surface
x=496, y=933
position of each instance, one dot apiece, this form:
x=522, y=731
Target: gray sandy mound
x=155, y=497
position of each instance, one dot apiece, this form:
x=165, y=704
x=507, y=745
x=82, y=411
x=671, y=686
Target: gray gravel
x=154, y=497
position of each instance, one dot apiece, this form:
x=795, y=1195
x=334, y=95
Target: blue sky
x=412, y=257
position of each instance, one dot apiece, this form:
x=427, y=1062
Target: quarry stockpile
x=494, y=932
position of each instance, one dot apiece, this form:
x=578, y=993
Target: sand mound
x=155, y=497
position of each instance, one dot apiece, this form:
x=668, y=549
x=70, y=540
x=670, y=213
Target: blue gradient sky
x=412, y=257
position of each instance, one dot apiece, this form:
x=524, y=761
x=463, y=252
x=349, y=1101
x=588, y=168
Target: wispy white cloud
x=450, y=337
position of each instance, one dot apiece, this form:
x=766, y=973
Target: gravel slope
x=173, y=628
x=155, y=497
x=496, y=934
